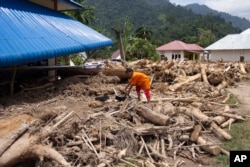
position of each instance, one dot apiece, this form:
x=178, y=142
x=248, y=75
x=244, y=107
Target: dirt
x=242, y=92
x=73, y=94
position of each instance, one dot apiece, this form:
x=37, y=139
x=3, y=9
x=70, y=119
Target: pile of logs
x=187, y=118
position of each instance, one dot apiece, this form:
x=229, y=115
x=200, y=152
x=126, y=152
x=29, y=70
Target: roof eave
x=60, y=5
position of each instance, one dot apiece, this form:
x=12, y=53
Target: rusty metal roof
x=179, y=46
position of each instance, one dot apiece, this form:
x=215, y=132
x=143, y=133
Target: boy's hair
x=129, y=70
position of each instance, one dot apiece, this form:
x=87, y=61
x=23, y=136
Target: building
x=233, y=47
x=34, y=30
x=180, y=50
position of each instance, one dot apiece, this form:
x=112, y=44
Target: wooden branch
x=214, y=150
x=151, y=130
x=204, y=75
x=25, y=143
x=170, y=141
x=12, y=128
x=227, y=97
x=228, y=122
x=189, y=79
x=187, y=99
x=38, y=87
x=90, y=143
x=47, y=130
x=237, y=117
x=216, y=129
x=45, y=151
x=156, y=153
x=146, y=147
x=163, y=150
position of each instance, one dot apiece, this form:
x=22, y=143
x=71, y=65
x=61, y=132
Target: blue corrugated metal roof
x=29, y=33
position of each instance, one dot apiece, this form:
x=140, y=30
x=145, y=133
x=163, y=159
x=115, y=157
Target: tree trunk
x=189, y=79
x=151, y=116
x=27, y=147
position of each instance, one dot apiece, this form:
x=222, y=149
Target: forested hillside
x=236, y=21
x=166, y=21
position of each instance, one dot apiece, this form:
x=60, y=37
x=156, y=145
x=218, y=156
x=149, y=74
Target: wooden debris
x=187, y=112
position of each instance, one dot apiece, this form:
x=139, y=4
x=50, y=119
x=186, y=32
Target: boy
x=140, y=81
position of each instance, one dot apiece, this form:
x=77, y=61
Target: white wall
x=229, y=55
x=169, y=54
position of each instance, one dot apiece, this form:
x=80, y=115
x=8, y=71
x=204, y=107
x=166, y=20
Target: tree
x=84, y=15
x=139, y=48
x=143, y=32
x=205, y=37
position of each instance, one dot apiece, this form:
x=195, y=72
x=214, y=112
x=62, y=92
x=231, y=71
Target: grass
x=240, y=138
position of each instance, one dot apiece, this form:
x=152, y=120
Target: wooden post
x=12, y=82
x=51, y=73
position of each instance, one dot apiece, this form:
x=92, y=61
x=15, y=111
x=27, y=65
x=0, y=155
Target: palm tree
x=143, y=32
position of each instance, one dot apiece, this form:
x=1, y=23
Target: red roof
x=179, y=46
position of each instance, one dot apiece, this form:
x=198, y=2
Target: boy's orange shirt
x=140, y=79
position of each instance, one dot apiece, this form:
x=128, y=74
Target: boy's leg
x=147, y=94
x=138, y=89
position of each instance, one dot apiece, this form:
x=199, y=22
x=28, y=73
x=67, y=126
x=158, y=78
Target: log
x=195, y=134
x=204, y=75
x=242, y=68
x=179, y=85
x=237, y=117
x=151, y=116
x=12, y=128
x=196, y=113
x=210, y=148
x=223, y=84
x=220, y=132
x=228, y=122
x=219, y=119
x=187, y=99
x=24, y=146
x=169, y=65
x=151, y=130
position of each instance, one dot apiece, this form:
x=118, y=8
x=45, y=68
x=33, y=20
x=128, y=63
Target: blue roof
x=29, y=32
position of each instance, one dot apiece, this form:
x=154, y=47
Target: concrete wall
x=229, y=55
x=172, y=55
x=168, y=54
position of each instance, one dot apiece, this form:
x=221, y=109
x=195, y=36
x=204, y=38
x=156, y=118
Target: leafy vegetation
x=151, y=23
x=166, y=21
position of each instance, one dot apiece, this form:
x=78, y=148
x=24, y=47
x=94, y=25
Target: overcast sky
x=239, y=8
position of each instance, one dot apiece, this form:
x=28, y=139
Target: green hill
x=167, y=21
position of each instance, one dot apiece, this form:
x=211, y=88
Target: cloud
x=186, y=2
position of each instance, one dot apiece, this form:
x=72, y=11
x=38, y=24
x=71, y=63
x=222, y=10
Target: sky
x=239, y=8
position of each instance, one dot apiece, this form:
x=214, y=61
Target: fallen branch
x=151, y=116
x=23, y=147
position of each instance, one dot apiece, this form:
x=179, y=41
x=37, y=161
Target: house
x=180, y=50
x=34, y=30
x=233, y=47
